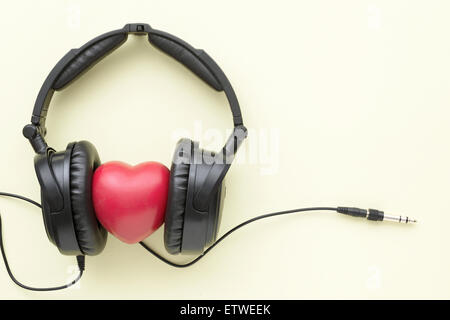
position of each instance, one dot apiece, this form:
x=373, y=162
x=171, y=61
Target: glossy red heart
x=130, y=202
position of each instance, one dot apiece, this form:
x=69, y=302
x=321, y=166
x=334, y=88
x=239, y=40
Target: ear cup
x=178, y=184
x=90, y=233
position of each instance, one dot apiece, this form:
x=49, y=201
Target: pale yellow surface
x=357, y=91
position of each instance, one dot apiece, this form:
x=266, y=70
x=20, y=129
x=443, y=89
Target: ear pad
x=90, y=233
x=178, y=184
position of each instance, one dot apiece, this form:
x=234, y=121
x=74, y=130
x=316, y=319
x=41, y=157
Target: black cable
x=80, y=259
x=268, y=215
x=12, y=195
x=370, y=214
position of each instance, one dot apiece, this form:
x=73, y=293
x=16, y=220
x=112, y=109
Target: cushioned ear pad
x=179, y=177
x=90, y=234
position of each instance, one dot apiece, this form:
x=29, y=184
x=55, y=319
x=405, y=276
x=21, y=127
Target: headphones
x=195, y=187
x=195, y=191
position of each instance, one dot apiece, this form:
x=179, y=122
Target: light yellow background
x=358, y=92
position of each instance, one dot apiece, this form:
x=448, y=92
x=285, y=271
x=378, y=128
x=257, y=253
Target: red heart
x=130, y=202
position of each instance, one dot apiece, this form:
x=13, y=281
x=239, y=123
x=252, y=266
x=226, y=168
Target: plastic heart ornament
x=130, y=201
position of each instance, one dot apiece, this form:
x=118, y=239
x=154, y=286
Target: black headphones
x=195, y=194
x=195, y=189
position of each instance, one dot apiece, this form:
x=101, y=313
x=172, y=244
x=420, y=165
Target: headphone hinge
x=35, y=134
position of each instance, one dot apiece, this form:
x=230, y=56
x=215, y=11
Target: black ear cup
x=66, y=193
x=90, y=234
x=188, y=230
x=176, y=203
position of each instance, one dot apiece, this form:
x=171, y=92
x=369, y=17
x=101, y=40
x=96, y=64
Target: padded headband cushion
x=90, y=233
x=178, y=184
x=88, y=57
x=178, y=50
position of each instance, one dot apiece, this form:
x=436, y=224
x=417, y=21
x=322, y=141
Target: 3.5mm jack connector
x=401, y=219
x=374, y=215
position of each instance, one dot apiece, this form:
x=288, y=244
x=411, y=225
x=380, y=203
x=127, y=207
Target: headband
x=76, y=61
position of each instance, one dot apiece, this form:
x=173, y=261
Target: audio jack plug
x=374, y=215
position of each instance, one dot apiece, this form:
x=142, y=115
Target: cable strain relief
x=81, y=262
x=351, y=211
